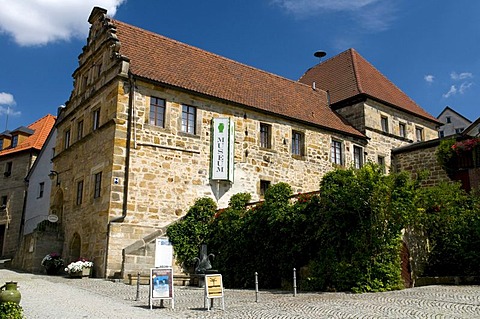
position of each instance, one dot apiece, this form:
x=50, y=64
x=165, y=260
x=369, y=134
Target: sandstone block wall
x=13, y=187
x=418, y=160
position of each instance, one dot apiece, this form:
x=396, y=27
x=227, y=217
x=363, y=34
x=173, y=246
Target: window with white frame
x=336, y=152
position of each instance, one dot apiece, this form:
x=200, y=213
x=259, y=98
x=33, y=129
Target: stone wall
x=13, y=186
x=366, y=117
x=416, y=159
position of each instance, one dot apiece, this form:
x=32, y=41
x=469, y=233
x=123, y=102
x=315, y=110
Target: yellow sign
x=214, y=286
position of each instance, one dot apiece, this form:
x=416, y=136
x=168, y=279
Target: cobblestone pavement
x=60, y=297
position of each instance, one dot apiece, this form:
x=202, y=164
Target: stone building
x=153, y=124
x=452, y=122
x=372, y=104
x=18, y=150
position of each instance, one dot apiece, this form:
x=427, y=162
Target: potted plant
x=80, y=268
x=53, y=263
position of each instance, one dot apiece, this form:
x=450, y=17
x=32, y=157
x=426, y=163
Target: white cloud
x=38, y=22
x=6, y=99
x=453, y=90
x=464, y=86
x=462, y=76
x=429, y=78
x=372, y=15
x=300, y=7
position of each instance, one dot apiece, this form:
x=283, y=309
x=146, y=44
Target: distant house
x=19, y=150
x=372, y=104
x=452, y=122
x=153, y=124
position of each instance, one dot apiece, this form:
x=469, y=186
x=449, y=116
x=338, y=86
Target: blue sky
x=429, y=48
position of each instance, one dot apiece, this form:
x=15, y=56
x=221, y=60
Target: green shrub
x=10, y=310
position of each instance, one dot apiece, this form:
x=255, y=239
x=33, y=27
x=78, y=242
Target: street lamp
x=54, y=174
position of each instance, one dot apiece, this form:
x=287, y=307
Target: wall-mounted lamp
x=52, y=175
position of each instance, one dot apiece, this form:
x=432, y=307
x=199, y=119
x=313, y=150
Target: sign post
x=161, y=285
x=213, y=289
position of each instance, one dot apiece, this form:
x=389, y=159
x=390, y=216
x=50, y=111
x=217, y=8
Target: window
x=8, y=169
x=441, y=133
x=384, y=121
x=401, y=130
x=381, y=162
x=67, y=139
x=14, y=141
x=3, y=202
x=98, y=185
x=357, y=157
x=79, y=130
x=336, y=152
x=298, y=143
x=419, y=134
x=265, y=135
x=96, y=119
x=1, y=144
x=157, y=111
x=189, y=116
x=41, y=188
x=264, y=185
x=79, y=192
x=459, y=130
x=449, y=119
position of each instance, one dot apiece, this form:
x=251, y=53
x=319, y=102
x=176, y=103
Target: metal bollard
x=138, y=287
x=294, y=282
x=256, y=286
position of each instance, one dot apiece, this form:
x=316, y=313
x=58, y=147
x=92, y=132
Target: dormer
x=5, y=140
x=19, y=135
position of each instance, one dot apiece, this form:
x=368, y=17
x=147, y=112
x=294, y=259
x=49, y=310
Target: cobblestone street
x=60, y=297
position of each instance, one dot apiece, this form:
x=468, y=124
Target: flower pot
x=53, y=270
x=84, y=273
x=10, y=293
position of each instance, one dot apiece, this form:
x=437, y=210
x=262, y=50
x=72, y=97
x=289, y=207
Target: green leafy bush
x=188, y=233
x=11, y=310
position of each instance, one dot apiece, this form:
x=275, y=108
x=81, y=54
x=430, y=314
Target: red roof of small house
x=163, y=60
x=348, y=75
x=41, y=128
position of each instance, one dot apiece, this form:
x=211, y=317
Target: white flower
x=77, y=266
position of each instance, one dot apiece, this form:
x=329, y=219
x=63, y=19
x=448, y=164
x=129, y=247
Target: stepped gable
x=160, y=59
x=41, y=128
x=348, y=75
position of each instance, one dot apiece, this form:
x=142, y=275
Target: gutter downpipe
x=120, y=219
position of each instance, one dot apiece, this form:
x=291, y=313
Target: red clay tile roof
x=167, y=61
x=348, y=74
x=41, y=128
